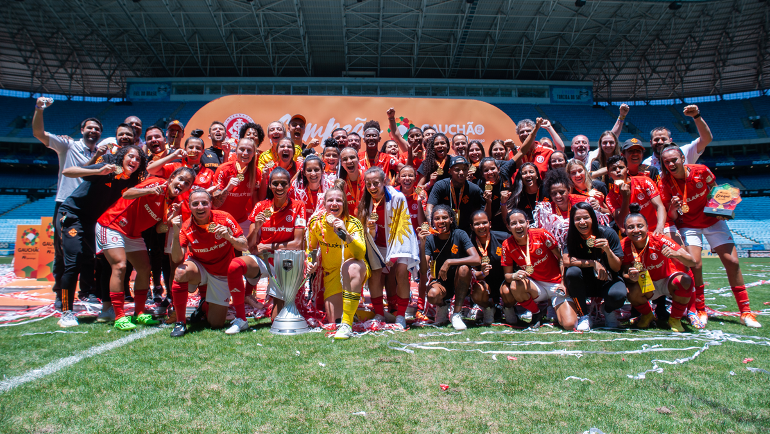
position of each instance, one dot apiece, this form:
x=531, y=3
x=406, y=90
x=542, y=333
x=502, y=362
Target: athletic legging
x=582, y=283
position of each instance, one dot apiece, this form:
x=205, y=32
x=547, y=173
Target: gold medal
x=212, y=227
x=241, y=177
x=374, y=216
x=118, y=170
x=439, y=171
x=639, y=266
x=485, y=260
x=268, y=213
x=330, y=219
x=163, y=227
x=269, y=165
x=488, y=187
x=685, y=208
x=590, y=241
x=472, y=170
x=425, y=227
x=418, y=190
x=529, y=269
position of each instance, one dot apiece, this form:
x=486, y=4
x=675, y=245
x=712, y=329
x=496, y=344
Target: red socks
x=401, y=305
x=420, y=303
x=644, y=309
x=677, y=309
x=700, y=298
x=392, y=303
x=118, y=300
x=249, y=289
x=742, y=298
x=235, y=273
x=140, y=300
x=180, y=294
x=530, y=305
x=378, y=306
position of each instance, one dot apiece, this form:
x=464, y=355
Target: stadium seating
x=8, y=228
x=15, y=180
x=9, y=202
x=33, y=210
x=762, y=107
x=755, y=182
x=752, y=220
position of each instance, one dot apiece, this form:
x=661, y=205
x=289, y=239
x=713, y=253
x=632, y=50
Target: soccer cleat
x=343, y=332
x=457, y=321
x=611, y=319
x=645, y=320
x=442, y=315
x=146, y=319
x=198, y=315
x=106, y=315
x=749, y=320
x=92, y=299
x=401, y=321
x=526, y=316
x=124, y=324
x=510, y=315
x=694, y=320
x=419, y=316
x=157, y=294
x=68, y=319
x=704, y=317
x=489, y=315
x=675, y=324
x=584, y=324
x=236, y=326
x=537, y=319
x=179, y=330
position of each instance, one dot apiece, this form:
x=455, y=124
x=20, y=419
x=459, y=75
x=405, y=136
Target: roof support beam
x=224, y=38
x=129, y=15
x=183, y=32
x=418, y=36
x=303, y=37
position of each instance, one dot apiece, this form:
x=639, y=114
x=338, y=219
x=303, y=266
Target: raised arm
x=38, y=128
x=703, y=129
x=554, y=135
x=618, y=127
x=403, y=145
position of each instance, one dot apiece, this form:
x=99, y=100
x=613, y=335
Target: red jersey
x=311, y=202
x=203, y=180
x=380, y=237
x=239, y=199
x=354, y=192
x=696, y=185
x=211, y=250
x=131, y=217
x=279, y=228
x=540, y=244
x=414, y=210
x=539, y=156
x=643, y=190
x=659, y=266
x=386, y=162
x=403, y=158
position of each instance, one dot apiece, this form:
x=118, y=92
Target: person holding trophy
x=336, y=240
x=211, y=238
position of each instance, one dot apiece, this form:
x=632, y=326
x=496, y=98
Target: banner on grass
x=28, y=244
x=46, y=252
x=476, y=119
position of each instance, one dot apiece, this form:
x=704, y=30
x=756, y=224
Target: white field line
x=53, y=367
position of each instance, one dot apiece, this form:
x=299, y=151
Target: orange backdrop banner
x=46, y=252
x=28, y=244
x=476, y=119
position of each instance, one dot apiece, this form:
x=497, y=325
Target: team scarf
x=401, y=239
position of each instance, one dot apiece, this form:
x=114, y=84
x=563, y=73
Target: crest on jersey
x=640, y=196
x=539, y=251
x=234, y=123
x=653, y=256
x=540, y=159
x=699, y=185
x=288, y=218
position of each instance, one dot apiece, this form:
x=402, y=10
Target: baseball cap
x=459, y=159
x=298, y=116
x=175, y=122
x=632, y=143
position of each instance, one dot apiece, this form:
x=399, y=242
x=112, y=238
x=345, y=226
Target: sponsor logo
x=72, y=232
x=29, y=237
x=234, y=123
x=209, y=249
x=455, y=249
x=152, y=214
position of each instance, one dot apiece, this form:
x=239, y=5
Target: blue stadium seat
x=9, y=202
x=37, y=209
x=15, y=180
x=8, y=228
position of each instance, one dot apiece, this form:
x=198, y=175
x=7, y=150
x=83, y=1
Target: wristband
x=621, y=118
x=696, y=116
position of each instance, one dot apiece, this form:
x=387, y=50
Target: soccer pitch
x=256, y=382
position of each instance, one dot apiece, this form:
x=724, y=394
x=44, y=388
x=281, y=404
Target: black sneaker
x=198, y=316
x=92, y=299
x=157, y=294
x=179, y=330
x=537, y=318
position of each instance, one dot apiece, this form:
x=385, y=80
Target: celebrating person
x=353, y=176
x=460, y=145
x=407, y=185
x=526, y=191
x=660, y=137
x=285, y=160
x=495, y=179
x=311, y=184
x=119, y=236
x=489, y=276
x=475, y=154
x=535, y=253
x=452, y=255
x=336, y=240
x=592, y=258
x=102, y=186
x=497, y=150
x=219, y=152
x=538, y=154
x=211, y=238
x=276, y=131
x=372, y=156
x=592, y=191
x=391, y=244
x=608, y=147
x=554, y=215
x=638, y=189
x=558, y=160
x=634, y=152
x=456, y=192
x=331, y=156
x=237, y=182
x=654, y=266
x=435, y=166
x=685, y=187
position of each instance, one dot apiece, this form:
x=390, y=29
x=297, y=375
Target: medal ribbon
x=455, y=199
x=639, y=255
x=354, y=192
x=526, y=256
x=676, y=186
x=486, y=246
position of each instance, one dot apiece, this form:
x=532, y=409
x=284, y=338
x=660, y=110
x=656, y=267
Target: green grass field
x=255, y=382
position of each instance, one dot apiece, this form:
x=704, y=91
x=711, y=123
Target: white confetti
x=259, y=345
x=359, y=413
x=732, y=372
x=757, y=370
x=50, y=333
x=297, y=353
x=572, y=377
x=323, y=365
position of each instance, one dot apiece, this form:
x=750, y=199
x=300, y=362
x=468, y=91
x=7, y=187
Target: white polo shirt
x=71, y=154
x=689, y=150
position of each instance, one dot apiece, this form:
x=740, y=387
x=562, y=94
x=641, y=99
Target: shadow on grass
x=737, y=416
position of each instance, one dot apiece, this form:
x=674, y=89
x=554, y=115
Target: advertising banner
x=46, y=251
x=148, y=91
x=476, y=119
x=572, y=95
x=28, y=244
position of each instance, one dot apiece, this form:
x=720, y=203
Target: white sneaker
x=389, y=317
x=68, y=319
x=236, y=326
x=344, y=331
x=489, y=315
x=748, y=319
x=106, y=315
x=401, y=321
x=510, y=315
x=584, y=324
x=379, y=318
x=442, y=315
x=611, y=319
x=526, y=316
x=457, y=321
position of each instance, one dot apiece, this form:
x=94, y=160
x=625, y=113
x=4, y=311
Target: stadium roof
x=631, y=50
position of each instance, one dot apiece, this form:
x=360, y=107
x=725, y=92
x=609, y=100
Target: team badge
x=455, y=249
x=653, y=256
x=288, y=218
x=539, y=251
x=699, y=185
x=640, y=196
x=72, y=232
x=540, y=159
x=234, y=123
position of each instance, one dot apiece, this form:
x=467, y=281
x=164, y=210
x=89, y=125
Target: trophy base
x=716, y=212
x=289, y=322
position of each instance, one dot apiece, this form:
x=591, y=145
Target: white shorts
x=169, y=239
x=107, y=239
x=218, y=291
x=661, y=286
x=384, y=254
x=717, y=235
x=245, y=227
x=264, y=272
x=549, y=291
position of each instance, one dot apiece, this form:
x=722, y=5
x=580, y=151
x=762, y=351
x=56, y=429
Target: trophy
x=288, y=277
x=722, y=201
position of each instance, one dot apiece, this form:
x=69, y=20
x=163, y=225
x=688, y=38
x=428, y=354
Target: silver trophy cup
x=289, y=276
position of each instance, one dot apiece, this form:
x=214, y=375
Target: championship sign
x=476, y=119
x=46, y=252
x=28, y=245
